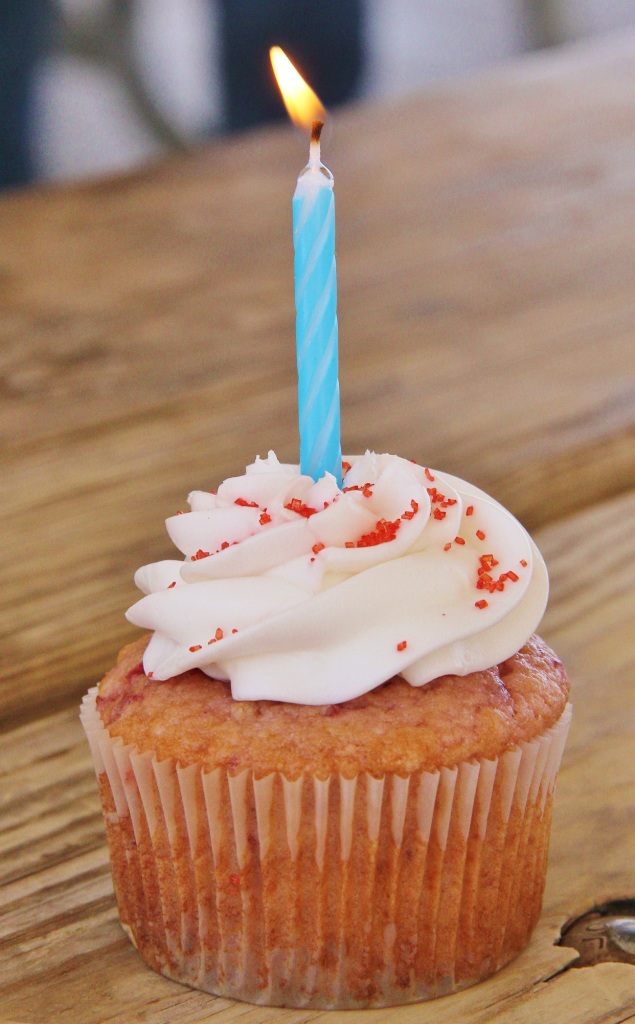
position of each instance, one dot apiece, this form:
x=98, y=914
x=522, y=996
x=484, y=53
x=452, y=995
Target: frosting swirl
x=301, y=592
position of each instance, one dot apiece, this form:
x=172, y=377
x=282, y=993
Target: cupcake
x=327, y=771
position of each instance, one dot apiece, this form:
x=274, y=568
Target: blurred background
x=94, y=86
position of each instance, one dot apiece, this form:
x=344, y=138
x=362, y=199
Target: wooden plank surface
x=486, y=268
x=486, y=307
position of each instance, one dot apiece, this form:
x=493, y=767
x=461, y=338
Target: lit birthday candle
x=315, y=285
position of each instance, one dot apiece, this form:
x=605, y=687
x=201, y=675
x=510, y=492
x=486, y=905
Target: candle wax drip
x=315, y=165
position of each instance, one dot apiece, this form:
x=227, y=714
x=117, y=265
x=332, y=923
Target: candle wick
x=314, y=148
x=316, y=130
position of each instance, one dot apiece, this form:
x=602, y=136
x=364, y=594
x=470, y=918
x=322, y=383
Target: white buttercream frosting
x=307, y=593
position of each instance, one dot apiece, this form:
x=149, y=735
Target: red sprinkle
x=384, y=532
x=265, y=518
x=480, y=535
x=366, y=489
x=219, y=634
x=150, y=675
x=246, y=504
x=196, y=647
x=412, y=511
x=199, y=554
x=469, y=510
x=488, y=562
x=446, y=547
x=486, y=581
x=523, y=563
x=317, y=548
x=459, y=540
x=402, y=645
x=440, y=499
x=295, y=505
x=438, y=514
x=429, y=474
x=345, y=467
x=234, y=630
x=172, y=584
x=480, y=604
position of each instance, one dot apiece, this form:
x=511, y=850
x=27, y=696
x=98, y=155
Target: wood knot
x=606, y=933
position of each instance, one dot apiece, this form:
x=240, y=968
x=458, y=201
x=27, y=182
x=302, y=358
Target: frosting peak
x=304, y=592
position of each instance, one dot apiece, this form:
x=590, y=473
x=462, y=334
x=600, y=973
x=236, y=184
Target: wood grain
x=487, y=312
x=486, y=308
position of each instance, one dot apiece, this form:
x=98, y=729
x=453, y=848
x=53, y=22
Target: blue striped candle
x=316, y=317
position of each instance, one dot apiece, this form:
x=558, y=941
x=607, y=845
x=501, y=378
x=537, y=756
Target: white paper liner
x=328, y=892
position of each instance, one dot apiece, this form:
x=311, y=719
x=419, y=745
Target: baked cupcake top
x=303, y=592
x=393, y=728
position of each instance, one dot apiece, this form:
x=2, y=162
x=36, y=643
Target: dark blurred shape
x=323, y=38
x=24, y=26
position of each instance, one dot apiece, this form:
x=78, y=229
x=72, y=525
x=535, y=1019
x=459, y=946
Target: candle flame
x=303, y=106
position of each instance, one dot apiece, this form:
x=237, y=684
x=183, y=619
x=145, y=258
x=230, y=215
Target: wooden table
x=487, y=326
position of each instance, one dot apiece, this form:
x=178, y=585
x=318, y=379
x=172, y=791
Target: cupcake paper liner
x=327, y=893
